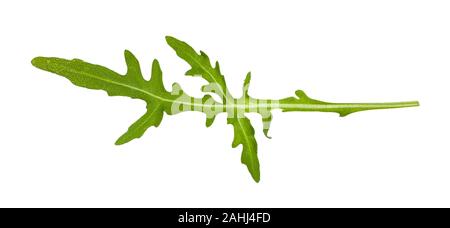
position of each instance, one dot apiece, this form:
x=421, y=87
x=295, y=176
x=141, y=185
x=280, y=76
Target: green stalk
x=345, y=108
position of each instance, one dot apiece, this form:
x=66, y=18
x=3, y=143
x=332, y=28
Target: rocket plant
x=161, y=101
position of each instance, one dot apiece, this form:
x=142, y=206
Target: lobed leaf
x=160, y=101
x=245, y=134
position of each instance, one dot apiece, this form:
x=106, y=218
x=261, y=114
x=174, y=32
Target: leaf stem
x=346, y=108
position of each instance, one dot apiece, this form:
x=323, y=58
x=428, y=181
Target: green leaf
x=160, y=101
x=155, y=109
x=98, y=77
x=132, y=84
x=243, y=130
x=245, y=134
x=200, y=66
x=246, y=99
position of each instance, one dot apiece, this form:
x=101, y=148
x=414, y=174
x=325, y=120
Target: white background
x=57, y=140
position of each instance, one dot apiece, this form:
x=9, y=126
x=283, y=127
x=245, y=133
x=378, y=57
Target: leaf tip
x=155, y=64
x=248, y=76
x=171, y=40
x=127, y=52
x=256, y=176
x=209, y=121
x=247, y=79
x=169, y=37
x=266, y=133
x=39, y=62
x=300, y=93
x=120, y=141
x=344, y=114
x=125, y=138
x=130, y=58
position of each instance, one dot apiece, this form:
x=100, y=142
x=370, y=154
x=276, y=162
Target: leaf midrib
x=272, y=105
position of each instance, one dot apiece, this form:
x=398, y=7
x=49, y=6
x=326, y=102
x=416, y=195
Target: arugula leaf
x=243, y=130
x=160, y=101
x=155, y=108
x=245, y=134
x=201, y=66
